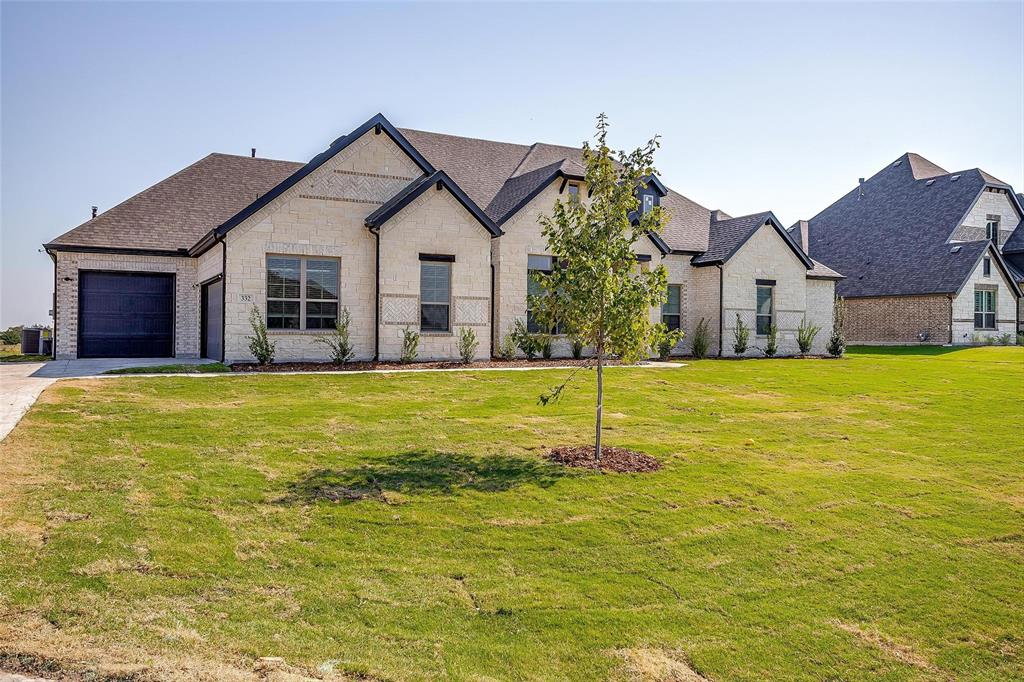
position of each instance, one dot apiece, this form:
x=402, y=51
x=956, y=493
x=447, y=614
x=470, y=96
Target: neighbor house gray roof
x=174, y=213
x=888, y=236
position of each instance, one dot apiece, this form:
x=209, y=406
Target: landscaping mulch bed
x=363, y=366
x=619, y=460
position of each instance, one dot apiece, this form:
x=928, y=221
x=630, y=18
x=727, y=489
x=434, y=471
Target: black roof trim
x=1002, y=266
x=541, y=186
x=416, y=188
x=653, y=181
x=659, y=242
x=169, y=253
x=377, y=123
x=770, y=219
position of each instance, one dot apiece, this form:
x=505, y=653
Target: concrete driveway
x=22, y=382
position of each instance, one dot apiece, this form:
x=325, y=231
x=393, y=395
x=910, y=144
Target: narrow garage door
x=125, y=315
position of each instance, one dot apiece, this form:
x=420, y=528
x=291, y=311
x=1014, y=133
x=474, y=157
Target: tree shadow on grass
x=422, y=472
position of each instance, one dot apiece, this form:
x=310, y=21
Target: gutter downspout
x=721, y=309
x=223, y=298
x=53, y=341
x=951, y=320
x=376, y=296
x=494, y=332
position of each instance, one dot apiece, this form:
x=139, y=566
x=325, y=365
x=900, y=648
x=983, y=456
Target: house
x=929, y=256
x=404, y=228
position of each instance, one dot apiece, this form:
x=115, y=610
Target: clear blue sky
x=763, y=106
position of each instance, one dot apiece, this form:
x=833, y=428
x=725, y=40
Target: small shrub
x=772, y=346
x=544, y=342
x=410, y=345
x=467, y=344
x=663, y=340
x=577, y=349
x=805, y=334
x=701, y=339
x=741, y=335
x=837, y=341
x=260, y=345
x=339, y=341
x=507, y=348
x=1020, y=338
x=1006, y=339
x=525, y=341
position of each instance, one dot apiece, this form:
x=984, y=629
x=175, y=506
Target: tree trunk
x=600, y=403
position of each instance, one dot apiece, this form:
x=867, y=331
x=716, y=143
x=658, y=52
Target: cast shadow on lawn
x=422, y=472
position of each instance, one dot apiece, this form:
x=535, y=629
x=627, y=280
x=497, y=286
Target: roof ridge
x=529, y=150
x=252, y=158
x=465, y=137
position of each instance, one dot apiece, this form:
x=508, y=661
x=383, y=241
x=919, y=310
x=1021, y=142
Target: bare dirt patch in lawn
x=659, y=665
x=619, y=460
x=893, y=649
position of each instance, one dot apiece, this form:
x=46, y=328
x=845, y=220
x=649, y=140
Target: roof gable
x=415, y=189
x=726, y=237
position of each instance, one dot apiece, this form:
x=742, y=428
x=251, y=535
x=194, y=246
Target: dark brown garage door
x=125, y=315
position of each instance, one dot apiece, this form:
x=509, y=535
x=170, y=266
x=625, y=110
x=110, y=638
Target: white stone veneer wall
x=766, y=256
x=435, y=223
x=989, y=203
x=963, y=305
x=186, y=295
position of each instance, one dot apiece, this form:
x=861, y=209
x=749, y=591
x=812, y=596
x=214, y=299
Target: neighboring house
x=929, y=256
x=405, y=229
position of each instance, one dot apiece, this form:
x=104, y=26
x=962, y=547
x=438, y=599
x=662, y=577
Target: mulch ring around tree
x=619, y=460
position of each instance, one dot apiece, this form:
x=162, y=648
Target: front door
x=212, y=330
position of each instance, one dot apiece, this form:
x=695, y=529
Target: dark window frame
x=667, y=314
x=992, y=228
x=758, y=315
x=436, y=261
x=986, y=266
x=531, y=325
x=325, y=320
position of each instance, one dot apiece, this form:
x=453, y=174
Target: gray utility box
x=36, y=341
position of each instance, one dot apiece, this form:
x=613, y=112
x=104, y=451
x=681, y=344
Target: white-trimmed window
x=984, y=309
x=537, y=265
x=765, y=306
x=648, y=203
x=302, y=292
x=436, y=293
x=992, y=228
x=671, y=309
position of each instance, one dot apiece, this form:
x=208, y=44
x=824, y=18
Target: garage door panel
x=124, y=314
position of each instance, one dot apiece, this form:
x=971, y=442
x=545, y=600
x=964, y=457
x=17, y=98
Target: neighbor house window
x=302, y=293
x=574, y=192
x=648, y=204
x=435, y=293
x=992, y=228
x=670, y=309
x=765, y=306
x=986, y=267
x=537, y=265
x=984, y=309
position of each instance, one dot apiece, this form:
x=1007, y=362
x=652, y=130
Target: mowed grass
x=814, y=519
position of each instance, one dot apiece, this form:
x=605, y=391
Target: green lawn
x=815, y=519
x=205, y=368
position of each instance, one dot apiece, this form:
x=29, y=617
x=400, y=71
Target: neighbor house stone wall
x=186, y=297
x=435, y=223
x=323, y=215
x=766, y=256
x=991, y=202
x=964, y=331
x=898, y=319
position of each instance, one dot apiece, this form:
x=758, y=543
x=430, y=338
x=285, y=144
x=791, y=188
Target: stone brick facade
x=898, y=319
x=186, y=296
x=991, y=202
x=964, y=331
x=766, y=256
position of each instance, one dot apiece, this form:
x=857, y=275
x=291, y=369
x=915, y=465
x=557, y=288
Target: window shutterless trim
x=643, y=258
x=303, y=297
x=437, y=257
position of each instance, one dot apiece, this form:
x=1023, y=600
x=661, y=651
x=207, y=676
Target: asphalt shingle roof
x=889, y=235
x=174, y=213
x=726, y=235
